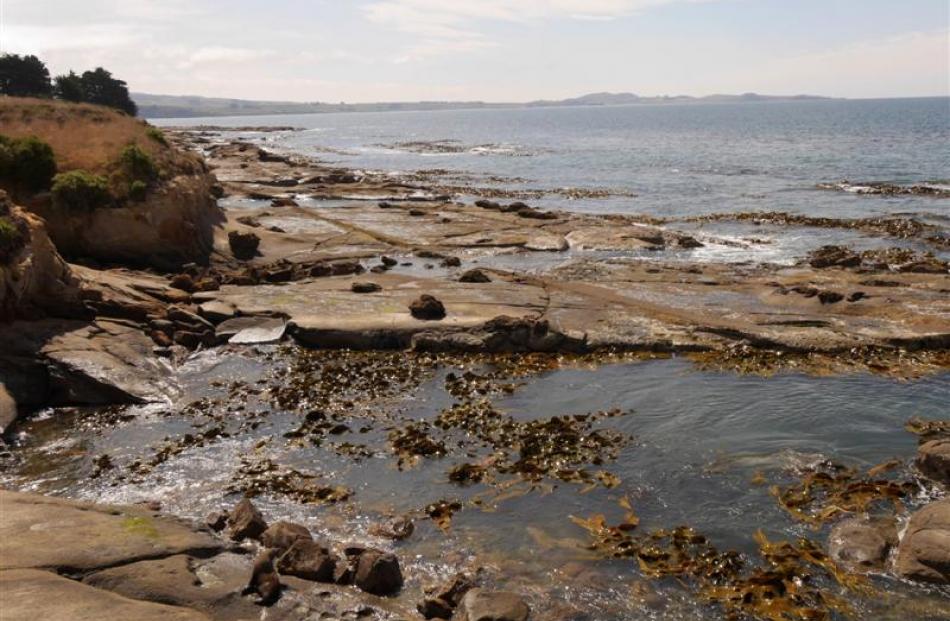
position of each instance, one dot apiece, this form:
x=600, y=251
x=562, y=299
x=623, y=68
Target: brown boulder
x=375, y=571
x=308, y=560
x=474, y=276
x=924, y=552
x=246, y=521
x=427, y=308
x=481, y=605
x=281, y=535
x=862, y=545
x=365, y=287
x=933, y=460
x=243, y=245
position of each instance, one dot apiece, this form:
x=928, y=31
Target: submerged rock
x=243, y=245
x=924, y=552
x=933, y=460
x=246, y=521
x=427, y=308
x=862, y=545
x=481, y=605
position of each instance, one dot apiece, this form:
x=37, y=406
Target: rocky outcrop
x=933, y=460
x=502, y=335
x=34, y=278
x=172, y=227
x=924, y=552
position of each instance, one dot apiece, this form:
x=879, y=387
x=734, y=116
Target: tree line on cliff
x=27, y=76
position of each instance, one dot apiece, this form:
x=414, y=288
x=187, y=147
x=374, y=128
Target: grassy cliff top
x=89, y=137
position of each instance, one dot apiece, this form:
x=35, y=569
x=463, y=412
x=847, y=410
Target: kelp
x=830, y=490
x=785, y=586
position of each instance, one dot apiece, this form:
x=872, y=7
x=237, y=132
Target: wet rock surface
x=933, y=460
x=924, y=552
x=862, y=545
x=481, y=605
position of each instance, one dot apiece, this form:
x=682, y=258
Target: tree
x=99, y=87
x=24, y=76
x=69, y=87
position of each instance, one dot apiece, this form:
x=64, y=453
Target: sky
x=492, y=50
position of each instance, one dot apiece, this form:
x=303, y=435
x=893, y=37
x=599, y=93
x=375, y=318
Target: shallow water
x=679, y=160
x=702, y=449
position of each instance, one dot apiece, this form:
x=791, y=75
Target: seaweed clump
x=257, y=477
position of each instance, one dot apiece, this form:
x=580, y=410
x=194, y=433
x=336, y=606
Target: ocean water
x=678, y=160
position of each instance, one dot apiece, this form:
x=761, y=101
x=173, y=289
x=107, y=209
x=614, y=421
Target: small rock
x=397, y=529
x=689, y=242
x=416, y=213
x=488, y=205
x=861, y=544
x=474, y=276
x=442, y=600
x=377, y=572
x=217, y=520
x=924, y=552
x=933, y=460
x=308, y=560
x=427, y=308
x=161, y=338
x=451, y=262
x=216, y=312
x=829, y=297
x=243, y=245
x=183, y=282
x=389, y=261
x=283, y=202
x=281, y=535
x=365, y=287
x=857, y=296
x=246, y=522
x=481, y=605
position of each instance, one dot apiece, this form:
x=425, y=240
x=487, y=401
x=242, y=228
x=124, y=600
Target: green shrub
x=26, y=164
x=138, y=190
x=11, y=238
x=137, y=164
x=78, y=190
x=157, y=135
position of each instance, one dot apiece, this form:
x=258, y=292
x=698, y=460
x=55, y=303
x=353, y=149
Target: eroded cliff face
x=172, y=227
x=34, y=279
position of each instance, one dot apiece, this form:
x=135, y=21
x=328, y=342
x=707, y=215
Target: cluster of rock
x=898, y=260
x=518, y=208
x=289, y=549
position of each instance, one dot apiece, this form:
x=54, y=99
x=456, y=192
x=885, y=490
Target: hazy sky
x=497, y=50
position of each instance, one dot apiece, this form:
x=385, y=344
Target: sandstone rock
x=52, y=533
x=427, y=308
x=481, y=605
x=243, y=245
x=475, y=276
x=246, y=522
x=8, y=410
x=32, y=594
x=365, y=287
x=862, y=544
x=216, y=312
x=924, y=552
x=933, y=460
x=308, y=560
x=281, y=535
x=376, y=571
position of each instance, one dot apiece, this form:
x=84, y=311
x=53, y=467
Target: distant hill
x=173, y=106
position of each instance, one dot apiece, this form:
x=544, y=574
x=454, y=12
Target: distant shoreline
x=264, y=108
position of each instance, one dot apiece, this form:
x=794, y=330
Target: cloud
x=225, y=55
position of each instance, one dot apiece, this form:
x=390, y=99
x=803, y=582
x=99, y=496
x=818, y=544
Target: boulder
x=481, y=605
x=375, y=571
x=308, y=560
x=427, y=308
x=243, y=245
x=933, y=460
x=281, y=535
x=246, y=522
x=924, y=552
x=862, y=544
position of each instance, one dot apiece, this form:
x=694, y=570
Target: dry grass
x=85, y=136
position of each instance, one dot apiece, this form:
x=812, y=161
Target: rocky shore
x=240, y=246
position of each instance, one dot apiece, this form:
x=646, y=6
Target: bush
x=157, y=135
x=137, y=164
x=79, y=190
x=26, y=164
x=138, y=190
x=11, y=238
